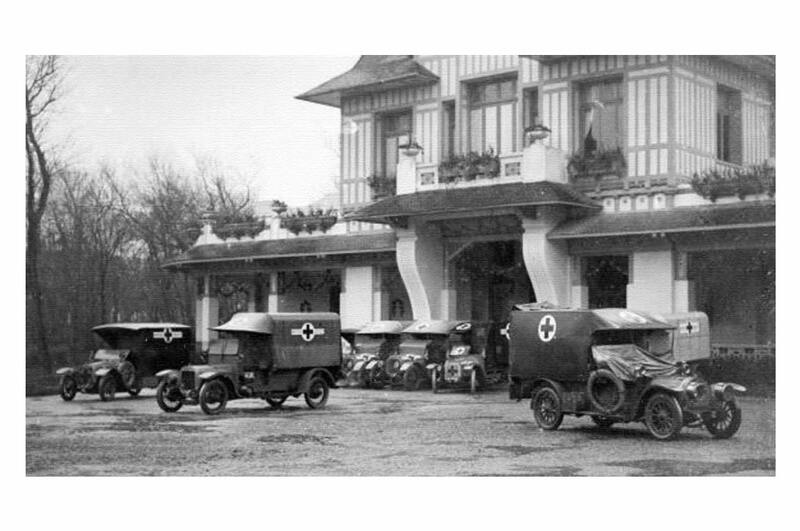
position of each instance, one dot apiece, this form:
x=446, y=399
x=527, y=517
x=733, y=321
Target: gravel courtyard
x=373, y=433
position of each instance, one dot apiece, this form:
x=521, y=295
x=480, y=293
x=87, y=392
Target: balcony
x=508, y=169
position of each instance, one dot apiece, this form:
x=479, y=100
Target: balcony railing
x=429, y=176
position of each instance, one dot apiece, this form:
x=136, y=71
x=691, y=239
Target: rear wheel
x=276, y=399
x=663, y=416
x=317, y=395
x=107, y=387
x=412, y=379
x=68, y=387
x=725, y=421
x=213, y=397
x=546, y=405
x=169, y=397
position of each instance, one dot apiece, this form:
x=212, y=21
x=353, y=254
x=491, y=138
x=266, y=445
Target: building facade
x=472, y=183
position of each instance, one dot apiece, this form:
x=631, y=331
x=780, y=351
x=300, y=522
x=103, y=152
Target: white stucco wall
x=652, y=287
x=357, y=297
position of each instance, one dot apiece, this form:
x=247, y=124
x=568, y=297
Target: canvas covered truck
x=616, y=365
x=261, y=355
x=374, y=343
x=132, y=355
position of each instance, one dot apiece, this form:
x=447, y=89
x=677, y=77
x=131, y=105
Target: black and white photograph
x=311, y=264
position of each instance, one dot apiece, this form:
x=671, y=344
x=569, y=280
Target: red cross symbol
x=167, y=335
x=308, y=332
x=547, y=328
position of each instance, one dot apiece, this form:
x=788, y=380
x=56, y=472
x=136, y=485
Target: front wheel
x=276, y=399
x=169, y=397
x=412, y=379
x=546, y=405
x=317, y=395
x=68, y=387
x=725, y=421
x=663, y=416
x=213, y=397
x=107, y=387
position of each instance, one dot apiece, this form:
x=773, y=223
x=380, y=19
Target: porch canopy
x=371, y=73
x=733, y=216
x=471, y=199
x=286, y=248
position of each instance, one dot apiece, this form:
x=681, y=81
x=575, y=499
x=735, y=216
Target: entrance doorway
x=490, y=278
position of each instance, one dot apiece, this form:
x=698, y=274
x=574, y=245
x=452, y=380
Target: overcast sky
x=238, y=110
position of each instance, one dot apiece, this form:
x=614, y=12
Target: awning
x=471, y=199
x=286, y=248
x=371, y=73
x=733, y=216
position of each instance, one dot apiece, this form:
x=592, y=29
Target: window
x=530, y=100
x=729, y=125
x=395, y=130
x=448, y=129
x=492, y=116
x=601, y=115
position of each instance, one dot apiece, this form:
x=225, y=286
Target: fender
x=371, y=364
x=66, y=370
x=102, y=372
x=210, y=375
x=167, y=374
x=669, y=383
x=406, y=365
x=725, y=391
x=305, y=379
x=541, y=382
x=358, y=365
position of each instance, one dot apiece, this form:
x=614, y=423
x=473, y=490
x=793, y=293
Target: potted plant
x=381, y=186
x=536, y=132
x=451, y=168
x=596, y=164
x=488, y=164
x=411, y=148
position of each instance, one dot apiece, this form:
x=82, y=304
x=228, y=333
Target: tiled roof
x=739, y=215
x=471, y=199
x=287, y=248
x=371, y=72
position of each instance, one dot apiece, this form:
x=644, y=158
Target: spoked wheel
x=725, y=421
x=276, y=400
x=317, y=395
x=127, y=373
x=169, y=397
x=374, y=378
x=68, y=387
x=107, y=387
x=603, y=422
x=663, y=416
x=412, y=379
x=435, y=380
x=546, y=405
x=213, y=397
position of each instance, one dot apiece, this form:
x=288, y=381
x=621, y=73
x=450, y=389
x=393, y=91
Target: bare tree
x=43, y=81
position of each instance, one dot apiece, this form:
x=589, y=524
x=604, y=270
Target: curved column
x=547, y=261
x=420, y=261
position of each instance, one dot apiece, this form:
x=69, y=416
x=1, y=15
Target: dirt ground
x=372, y=433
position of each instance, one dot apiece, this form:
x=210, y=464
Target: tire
x=435, y=380
x=373, y=378
x=608, y=401
x=546, y=406
x=213, y=397
x=127, y=374
x=603, y=422
x=165, y=396
x=68, y=387
x=134, y=391
x=107, y=387
x=725, y=423
x=275, y=400
x=663, y=416
x=412, y=379
x=317, y=395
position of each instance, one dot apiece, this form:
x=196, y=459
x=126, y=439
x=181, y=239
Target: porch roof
x=741, y=215
x=472, y=199
x=288, y=248
x=371, y=72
